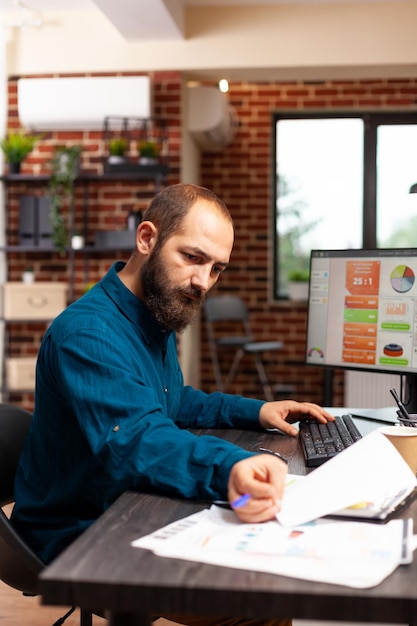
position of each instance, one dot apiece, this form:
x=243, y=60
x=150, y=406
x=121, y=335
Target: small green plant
x=17, y=145
x=64, y=170
x=117, y=146
x=148, y=148
x=299, y=276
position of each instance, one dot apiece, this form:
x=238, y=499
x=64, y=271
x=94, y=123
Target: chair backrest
x=19, y=565
x=14, y=425
x=223, y=308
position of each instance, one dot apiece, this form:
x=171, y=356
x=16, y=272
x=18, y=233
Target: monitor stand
x=386, y=414
x=410, y=393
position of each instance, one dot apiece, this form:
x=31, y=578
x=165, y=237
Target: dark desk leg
x=127, y=619
x=328, y=387
x=86, y=618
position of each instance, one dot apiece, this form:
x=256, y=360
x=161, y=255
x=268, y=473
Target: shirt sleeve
x=217, y=410
x=117, y=430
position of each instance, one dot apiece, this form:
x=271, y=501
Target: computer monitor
x=362, y=313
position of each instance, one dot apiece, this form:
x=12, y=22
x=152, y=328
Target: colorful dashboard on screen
x=362, y=310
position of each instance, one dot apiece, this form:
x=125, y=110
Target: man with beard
x=111, y=410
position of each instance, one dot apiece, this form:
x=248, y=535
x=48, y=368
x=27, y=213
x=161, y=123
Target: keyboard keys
x=321, y=442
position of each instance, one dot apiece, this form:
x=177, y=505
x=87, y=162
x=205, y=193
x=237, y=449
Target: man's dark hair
x=169, y=207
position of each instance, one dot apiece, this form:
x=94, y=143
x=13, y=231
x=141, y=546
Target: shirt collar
x=132, y=307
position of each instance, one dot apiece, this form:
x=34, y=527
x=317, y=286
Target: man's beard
x=171, y=306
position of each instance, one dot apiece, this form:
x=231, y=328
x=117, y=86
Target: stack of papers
x=301, y=544
x=371, y=472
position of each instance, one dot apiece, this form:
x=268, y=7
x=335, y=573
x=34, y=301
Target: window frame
x=371, y=121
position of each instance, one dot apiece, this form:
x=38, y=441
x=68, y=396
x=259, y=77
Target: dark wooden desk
x=101, y=569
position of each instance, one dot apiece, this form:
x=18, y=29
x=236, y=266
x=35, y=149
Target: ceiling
x=140, y=19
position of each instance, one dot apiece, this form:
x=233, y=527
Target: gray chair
x=19, y=565
x=227, y=309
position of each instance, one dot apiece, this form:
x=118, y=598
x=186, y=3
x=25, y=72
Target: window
x=342, y=181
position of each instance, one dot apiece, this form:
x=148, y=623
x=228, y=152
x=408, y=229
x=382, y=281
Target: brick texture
x=109, y=204
x=241, y=175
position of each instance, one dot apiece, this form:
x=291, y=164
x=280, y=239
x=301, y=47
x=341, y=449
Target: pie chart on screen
x=402, y=278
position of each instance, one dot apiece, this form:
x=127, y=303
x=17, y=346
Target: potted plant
x=16, y=146
x=149, y=151
x=117, y=149
x=298, y=284
x=65, y=166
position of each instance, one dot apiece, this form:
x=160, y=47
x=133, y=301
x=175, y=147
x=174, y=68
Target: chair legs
x=263, y=378
x=233, y=368
x=268, y=393
x=62, y=619
x=86, y=617
x=216, y=365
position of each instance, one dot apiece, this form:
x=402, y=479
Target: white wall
x=190, y=173
x=310, y=40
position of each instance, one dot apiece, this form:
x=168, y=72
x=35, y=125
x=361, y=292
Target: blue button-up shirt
x=111, y=414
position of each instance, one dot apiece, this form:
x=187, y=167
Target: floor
x=18, y=610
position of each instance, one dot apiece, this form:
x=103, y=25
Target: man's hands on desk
x=262, y=477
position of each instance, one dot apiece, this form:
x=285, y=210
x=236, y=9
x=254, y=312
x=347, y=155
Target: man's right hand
x=262, y=477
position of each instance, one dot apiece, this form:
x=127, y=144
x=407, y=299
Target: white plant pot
x=148, y=161
x=116, y=160
x=77, y=242
x=298, y=291
x=28, y=277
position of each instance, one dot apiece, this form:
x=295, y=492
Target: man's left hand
x=283, y=413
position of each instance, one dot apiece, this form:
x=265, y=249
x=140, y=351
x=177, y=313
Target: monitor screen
x=362, y=310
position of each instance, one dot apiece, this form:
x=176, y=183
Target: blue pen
x=241, y=501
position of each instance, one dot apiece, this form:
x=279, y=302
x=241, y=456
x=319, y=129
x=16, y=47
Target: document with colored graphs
x=301, y=542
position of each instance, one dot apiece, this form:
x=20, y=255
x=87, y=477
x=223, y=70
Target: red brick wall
x=242, y=176
x=109, y=203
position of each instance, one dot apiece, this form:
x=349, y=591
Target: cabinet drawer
x=20, y=373
x=39, y=300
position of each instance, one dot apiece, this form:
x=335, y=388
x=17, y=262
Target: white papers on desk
x=371, y=469
x=356, y=554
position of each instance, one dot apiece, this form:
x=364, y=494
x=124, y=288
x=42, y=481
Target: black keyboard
x=321, y=442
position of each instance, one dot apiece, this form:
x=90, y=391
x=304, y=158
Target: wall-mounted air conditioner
x=81, y=103
x=211, y=119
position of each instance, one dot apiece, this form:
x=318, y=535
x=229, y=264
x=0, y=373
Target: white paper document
x=356, y=554
x=370, y=469
x=380, y=508
x=299, y=544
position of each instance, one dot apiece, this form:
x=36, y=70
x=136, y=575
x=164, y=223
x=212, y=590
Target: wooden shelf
x=135, y=172
x=155, y=174
x=86, y=250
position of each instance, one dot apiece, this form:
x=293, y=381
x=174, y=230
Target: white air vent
x=211, y=119
x=81, y=103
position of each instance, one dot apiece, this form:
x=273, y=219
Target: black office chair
x=19, y=565
x=226, y=309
